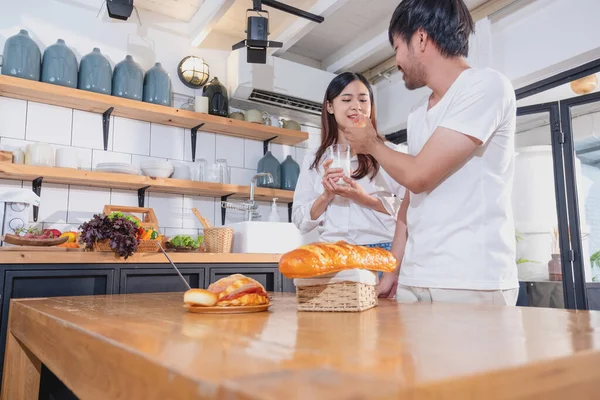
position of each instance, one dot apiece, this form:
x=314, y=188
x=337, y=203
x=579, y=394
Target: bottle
x=274, y=214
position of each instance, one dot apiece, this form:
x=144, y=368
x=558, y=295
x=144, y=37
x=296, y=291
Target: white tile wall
x=54, y=202
x=168, y=209
x=88, y=131
x=124, y=198
x=241, y=176
x=170, y=232
x=231, y=149
x=84, y=156
x=205, y=206
x=13, y=114
x=65, y=208
x=101, y=156
x=205, y=146
x=50, y=124
x=131, y=136
x=84, y=202
x=166, y=141
x=282, y=151
x=253, y=152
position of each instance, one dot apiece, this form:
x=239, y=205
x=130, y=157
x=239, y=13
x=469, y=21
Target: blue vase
x=269, y=164
x=290, y=171
x=157, y=86
x=59, y=65
x=22, y=57
x=95, y=73
x=128, y=80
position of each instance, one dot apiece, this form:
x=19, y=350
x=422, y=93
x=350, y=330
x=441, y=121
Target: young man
x=455, y=233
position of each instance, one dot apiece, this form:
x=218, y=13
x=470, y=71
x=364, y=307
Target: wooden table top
x=147, y=346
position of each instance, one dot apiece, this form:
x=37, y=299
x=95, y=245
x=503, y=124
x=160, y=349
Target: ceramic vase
x=157, y=86
x=95, y=73
x=128, y=80
x=22, y=57
x=269, y=164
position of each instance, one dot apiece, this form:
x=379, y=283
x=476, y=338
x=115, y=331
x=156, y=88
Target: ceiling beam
x=359, y=49
x=483, y=11
x=291, y=34
x=205, y=19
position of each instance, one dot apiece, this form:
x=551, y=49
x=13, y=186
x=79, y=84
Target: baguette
x=324, y=258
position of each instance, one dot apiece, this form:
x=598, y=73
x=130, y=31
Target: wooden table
x=148, y=347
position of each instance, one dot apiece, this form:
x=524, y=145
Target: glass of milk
x=340, y=154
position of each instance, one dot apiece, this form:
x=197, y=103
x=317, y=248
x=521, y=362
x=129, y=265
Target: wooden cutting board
x=37, y=248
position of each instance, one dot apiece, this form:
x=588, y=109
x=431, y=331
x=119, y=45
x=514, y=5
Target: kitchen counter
x=92, y=257
x=147, y=346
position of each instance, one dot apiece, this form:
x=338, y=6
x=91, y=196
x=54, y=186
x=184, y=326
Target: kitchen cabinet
x=50, y=283
x=268, y=276
x=159, y=280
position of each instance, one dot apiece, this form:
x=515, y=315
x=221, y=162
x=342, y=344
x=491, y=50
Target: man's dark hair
x=447, y=22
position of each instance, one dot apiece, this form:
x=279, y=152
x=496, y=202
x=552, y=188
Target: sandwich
x=234, y=290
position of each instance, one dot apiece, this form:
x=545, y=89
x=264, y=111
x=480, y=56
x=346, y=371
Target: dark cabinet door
x=159, y=280
x=287, y=285
x=269, y=277
x=48, y=283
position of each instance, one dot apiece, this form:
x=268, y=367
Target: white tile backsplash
x=124, y=198
x=131, y=136
x=84, y=202
x=217, y=221
x=166, y=141
x=171, y=232
x=9, y=184
x=231, y=149
x=61, y=227
x=300, y=154
x=49, y=124
x=54, y=201
x=282, y=151
x=205, y=206
x=88, y=130
x=205, y=146
x=241, y=176
x=101, y=156
x=13, y=114
x=11, y=144
x=168, y=209
x=253, y=152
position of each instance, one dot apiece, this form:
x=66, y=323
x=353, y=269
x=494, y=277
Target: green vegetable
x=184, y=241
x=200, y=239
x=118, y=214
x=154, y=235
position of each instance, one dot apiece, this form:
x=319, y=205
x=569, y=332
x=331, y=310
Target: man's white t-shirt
x=461, y=234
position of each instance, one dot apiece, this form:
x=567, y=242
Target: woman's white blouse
x=344, y=219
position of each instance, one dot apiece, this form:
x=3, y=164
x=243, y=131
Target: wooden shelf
x=68, y=176
x=99, y=103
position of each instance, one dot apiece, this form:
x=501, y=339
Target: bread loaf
x=324, y=258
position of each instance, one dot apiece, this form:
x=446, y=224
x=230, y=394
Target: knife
x=174, y=266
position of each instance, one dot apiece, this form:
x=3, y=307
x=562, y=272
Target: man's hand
x=363, y=137
x=387, y=285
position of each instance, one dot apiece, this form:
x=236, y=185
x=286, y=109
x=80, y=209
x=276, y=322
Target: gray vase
x=128, y=80
x=157, y=86
x=22, y=57
x=59, y=65
x=269, y=164
x=95, y=73
x=290, y=171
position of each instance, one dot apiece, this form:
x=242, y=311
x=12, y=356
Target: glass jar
x=223, y=170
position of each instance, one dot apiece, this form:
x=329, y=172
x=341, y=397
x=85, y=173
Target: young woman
x=362, y=211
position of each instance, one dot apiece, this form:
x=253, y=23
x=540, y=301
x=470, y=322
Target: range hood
x=280, y=87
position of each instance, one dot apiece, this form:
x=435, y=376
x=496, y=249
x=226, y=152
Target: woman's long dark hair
x=367, y=165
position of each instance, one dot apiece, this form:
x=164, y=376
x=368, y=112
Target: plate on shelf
x=119, y=168
x=228, y=310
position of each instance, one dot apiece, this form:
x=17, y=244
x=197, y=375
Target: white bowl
x=157, y=169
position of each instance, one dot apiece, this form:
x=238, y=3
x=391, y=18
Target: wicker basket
x=218, y=240
x=342, y=296
x=145, y=246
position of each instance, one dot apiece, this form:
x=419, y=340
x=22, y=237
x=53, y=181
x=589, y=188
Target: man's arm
x=443, y=153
